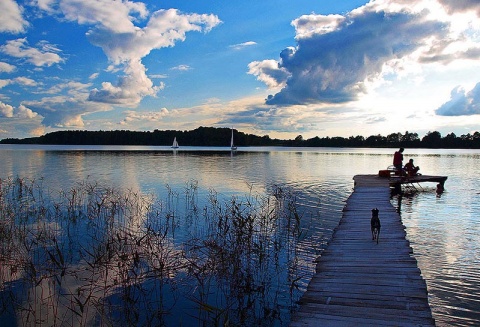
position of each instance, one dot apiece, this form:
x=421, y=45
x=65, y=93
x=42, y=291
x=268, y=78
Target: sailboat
x=232, y=146
x=175, y=143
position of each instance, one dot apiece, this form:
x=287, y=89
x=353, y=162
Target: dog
x=375, y=225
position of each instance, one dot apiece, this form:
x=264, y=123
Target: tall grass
x=94, y=255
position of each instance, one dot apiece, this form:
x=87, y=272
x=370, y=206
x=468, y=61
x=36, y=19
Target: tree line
x=211, y=136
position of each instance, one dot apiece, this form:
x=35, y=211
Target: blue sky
x=278, y=68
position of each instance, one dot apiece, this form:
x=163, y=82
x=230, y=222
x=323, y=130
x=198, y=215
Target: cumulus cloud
x=337, y=57
x=461, y=103
x=44, y=55
x=115, y=27
x=164, y=29
x=56, y=111
x=11, y=17
x=461, y=5
x=125, y=48
x=309, y=25
x=24, y=112
x=129, y=90
x=6, y=110
x=269, y=72
x=6, y=68
x=115, y=16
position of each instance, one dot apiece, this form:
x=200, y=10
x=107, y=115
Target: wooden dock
x=359, y=282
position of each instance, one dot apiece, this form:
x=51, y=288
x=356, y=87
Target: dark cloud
x=461, y=103
x=332, y=64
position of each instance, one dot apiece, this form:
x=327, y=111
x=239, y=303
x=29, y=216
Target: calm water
x=443, y=231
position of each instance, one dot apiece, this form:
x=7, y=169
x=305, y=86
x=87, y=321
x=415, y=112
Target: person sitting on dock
x=398, y=161
x=440, y=189
x=411, y=169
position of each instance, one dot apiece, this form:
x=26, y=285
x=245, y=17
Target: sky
x=277, y=68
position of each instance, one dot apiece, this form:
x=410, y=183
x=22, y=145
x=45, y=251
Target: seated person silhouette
x=411, y=169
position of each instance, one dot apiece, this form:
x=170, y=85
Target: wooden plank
x=365, y=316
x=372, y=301
x=375, y=313
x=359, y=282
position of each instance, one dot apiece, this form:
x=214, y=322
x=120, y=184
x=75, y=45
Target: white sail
x=232, y=146
x=175, y=143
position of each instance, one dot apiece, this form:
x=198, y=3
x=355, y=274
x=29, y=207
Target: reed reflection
x=95, y=255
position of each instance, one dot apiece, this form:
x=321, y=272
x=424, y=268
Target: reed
x=93, y=255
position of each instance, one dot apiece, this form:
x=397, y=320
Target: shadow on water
x=94, y=256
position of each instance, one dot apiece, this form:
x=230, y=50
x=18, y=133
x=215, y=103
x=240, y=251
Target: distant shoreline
x=218, y=137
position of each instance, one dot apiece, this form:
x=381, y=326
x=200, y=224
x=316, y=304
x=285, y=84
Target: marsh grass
x=94, y=255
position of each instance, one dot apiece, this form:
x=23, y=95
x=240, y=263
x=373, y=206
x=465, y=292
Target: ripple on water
x=444, y=234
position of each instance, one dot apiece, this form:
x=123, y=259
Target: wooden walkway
x=359, y=282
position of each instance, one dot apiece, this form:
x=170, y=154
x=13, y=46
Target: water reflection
x=100, y=256
x=446, y=246
x=443, y=230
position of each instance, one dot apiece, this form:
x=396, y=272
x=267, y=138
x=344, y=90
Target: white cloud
x=243, y=45
x=44, y=56
x=269, y=72
x=308, y=25
x=113, y=28
x=6, y=68
x=158, y=76
x=18, y=80
x=25, y=81
x=72, y=87
x=461, y=103
x=6, y=110
x=37, y=131
x=130, y=89
x=11, y=17
x=114, y=16
x=46, y=5
x=152, y=116
x=181, y=68
x=64, y=111
x=9, y=111
x=338, y=58
x=4, y=82
x=164, y=29
x=24, y=112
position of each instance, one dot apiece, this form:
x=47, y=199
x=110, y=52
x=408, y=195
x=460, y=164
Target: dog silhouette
x=375, y=225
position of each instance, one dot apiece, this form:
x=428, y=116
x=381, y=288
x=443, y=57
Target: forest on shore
x=212, y=136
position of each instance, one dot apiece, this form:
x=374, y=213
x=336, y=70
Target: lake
x=290, y=199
